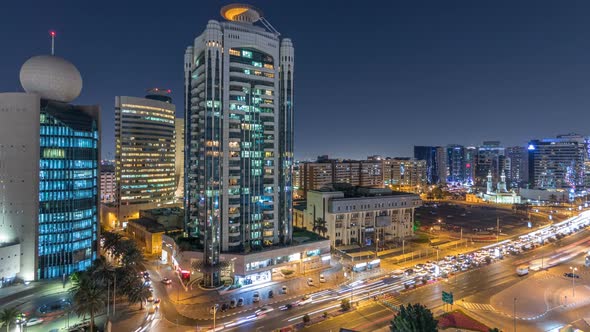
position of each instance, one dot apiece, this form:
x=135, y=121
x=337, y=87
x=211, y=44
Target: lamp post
x=214, y=313
x=514, y=314
x=377, y=247
x=573, y=269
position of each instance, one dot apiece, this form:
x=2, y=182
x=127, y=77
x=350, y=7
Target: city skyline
x=486, y=71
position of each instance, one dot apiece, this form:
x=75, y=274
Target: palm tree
x=319, y=225
x=8, y=316
x=140, y=293
x=110, y=240
x=102, y=270
x=88, y=297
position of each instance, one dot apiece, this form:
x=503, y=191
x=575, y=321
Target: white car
x=166, y=281
x=150, y=299
x=305, y=300
x=213, y=309
x=309, y=282
x=322, y=278
x=34, y=321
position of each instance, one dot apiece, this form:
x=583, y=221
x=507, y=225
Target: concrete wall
x=19, y=176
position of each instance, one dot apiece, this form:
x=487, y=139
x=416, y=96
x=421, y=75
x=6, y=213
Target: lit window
x=234, y=52
x=247, y=54
x=247, y=71
x=256, y=64
x=269, y=66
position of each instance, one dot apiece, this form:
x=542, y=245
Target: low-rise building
x=308, y=252
x=361, y=216
x=148, y=234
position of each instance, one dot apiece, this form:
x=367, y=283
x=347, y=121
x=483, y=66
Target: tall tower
x=145, y=152
x=49, y=164
x=239, y=136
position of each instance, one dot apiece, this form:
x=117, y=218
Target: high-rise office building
x=405, y=174
x=428, y=154
x=455, y=163
x=517, y=175
x=179, y=157
x=558, y=163
x=108, y=183
x=489, y=159
x=49, y=169
x=239, y=136
x=145, y=152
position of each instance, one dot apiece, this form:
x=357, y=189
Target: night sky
x=376, y=77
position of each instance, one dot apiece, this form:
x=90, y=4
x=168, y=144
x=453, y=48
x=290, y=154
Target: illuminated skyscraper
x=145, y=152
x=239, y=135
x=49, y=168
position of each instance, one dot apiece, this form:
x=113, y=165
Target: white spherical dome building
x=51, y=77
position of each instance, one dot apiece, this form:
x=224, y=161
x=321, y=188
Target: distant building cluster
x=405, y=174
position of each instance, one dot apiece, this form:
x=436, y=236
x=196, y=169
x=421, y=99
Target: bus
x=522, y=270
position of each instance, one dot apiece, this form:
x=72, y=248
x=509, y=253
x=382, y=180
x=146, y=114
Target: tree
x=102, y=271
x=110, y=240
x=325, y=315
x=140, y=293
x=319, y=226
x=88, y=297
x=414, y=318
x=306, y=319
x=8, y=316
x=345, y=304
x=417, y=225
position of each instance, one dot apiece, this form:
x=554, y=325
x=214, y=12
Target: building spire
x=52, y=34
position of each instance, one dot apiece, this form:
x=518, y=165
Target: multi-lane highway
x=472, y=281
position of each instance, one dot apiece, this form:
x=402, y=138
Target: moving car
x=34, y=321
x=304, y=300
x=286, y=307
x=571, y=275
x=522, y=270
x=263, y=310
x=166, y=281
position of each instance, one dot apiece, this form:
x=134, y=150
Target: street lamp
x=214, y=313
x=573, y=269
x=514, y=314
x=377, y=247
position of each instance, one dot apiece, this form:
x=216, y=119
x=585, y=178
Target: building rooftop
x=150, y=225
x=165, y=211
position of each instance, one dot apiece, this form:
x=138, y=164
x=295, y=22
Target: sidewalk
x=195, y=303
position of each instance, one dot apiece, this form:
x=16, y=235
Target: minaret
x=502, y=183
x=489, y=183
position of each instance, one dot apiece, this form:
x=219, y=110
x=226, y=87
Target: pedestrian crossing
x=477, y=306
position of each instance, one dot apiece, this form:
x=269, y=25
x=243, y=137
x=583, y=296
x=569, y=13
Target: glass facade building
x=238, y=139
x=68, y=190
x=144, y=153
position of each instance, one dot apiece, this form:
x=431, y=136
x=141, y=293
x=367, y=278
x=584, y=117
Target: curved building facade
x=145, y=153
x=239, y=136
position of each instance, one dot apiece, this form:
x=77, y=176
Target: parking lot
x=471, y=218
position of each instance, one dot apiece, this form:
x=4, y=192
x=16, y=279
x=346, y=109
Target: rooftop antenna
x=52, y=34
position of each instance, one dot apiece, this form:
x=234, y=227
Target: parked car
x=240, y=302
x=571, y=275
x=322, y=278
x=233, y=303
x=309, y=282
x=224, y=307
x=284, y=290
x=256, y=297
